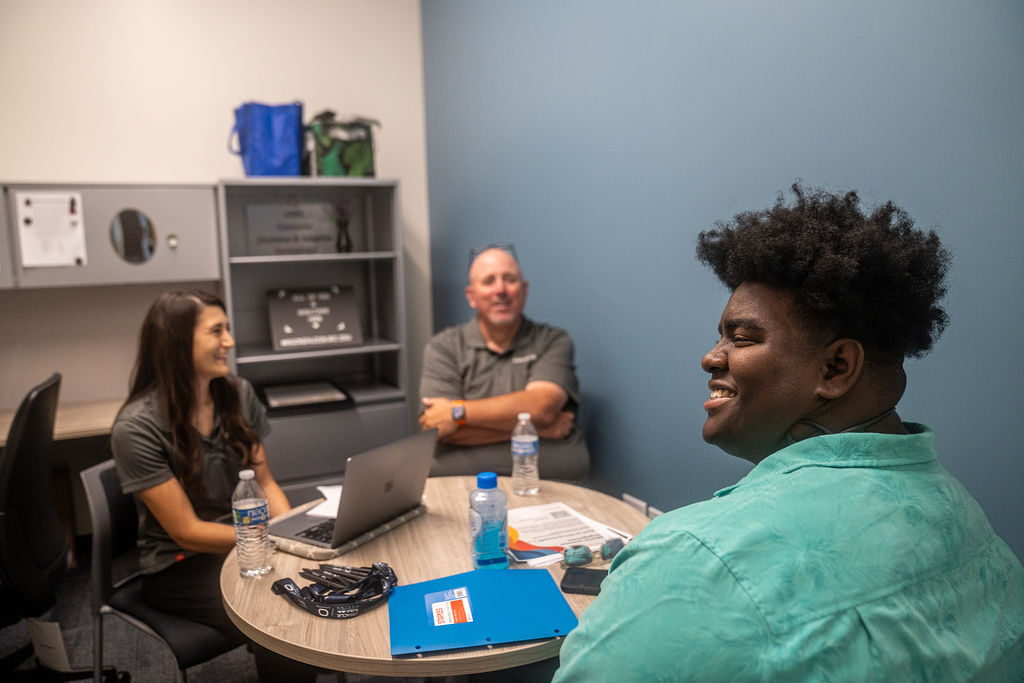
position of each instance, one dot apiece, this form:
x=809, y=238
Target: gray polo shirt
x=458, y=364
x=141, y=443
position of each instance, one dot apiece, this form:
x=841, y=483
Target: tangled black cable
x=340, y=592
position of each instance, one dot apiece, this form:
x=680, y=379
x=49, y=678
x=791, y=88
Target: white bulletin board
x=51, y=229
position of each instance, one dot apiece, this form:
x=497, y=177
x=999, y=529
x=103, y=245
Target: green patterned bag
x=342, y=148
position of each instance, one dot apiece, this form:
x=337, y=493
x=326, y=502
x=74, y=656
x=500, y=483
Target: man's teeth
x=722, y=393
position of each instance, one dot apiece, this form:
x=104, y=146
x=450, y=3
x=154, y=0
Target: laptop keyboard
x=323, y=532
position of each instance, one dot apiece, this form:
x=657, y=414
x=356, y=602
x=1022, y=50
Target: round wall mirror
x=133, y=236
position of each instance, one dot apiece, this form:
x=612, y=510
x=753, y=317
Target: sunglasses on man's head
x=507, y=247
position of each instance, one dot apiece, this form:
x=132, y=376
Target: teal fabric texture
x=842, y=557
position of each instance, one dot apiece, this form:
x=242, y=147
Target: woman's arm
x=174, y=511
x=276, y=499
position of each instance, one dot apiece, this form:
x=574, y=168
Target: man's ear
x=469, y=296
x=842, y=363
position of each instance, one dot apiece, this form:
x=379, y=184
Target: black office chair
x=115, y=585
x=33, y=541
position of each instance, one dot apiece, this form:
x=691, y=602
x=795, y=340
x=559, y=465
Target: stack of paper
x=538, y=534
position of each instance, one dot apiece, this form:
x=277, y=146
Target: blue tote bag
x=269, y=138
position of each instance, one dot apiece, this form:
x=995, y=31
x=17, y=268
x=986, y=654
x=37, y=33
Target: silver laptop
x=380, y=486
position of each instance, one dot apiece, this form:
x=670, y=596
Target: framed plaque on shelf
x=313, y=318
x=294, y=227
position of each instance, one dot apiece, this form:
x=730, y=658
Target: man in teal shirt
x=848, y=552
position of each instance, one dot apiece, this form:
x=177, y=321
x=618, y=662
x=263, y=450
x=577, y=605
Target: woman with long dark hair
x=186, y=430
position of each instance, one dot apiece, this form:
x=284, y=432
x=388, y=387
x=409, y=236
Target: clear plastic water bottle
x=525, y=452
x=488, y=523
x=251, y=515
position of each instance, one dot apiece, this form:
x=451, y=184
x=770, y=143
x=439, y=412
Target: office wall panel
x=602, y=136
x=171, y=237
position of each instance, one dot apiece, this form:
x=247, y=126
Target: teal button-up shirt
x=847, y=557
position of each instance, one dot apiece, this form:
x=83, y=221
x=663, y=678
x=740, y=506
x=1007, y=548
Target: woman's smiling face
x=764, y=373
x=211, y=342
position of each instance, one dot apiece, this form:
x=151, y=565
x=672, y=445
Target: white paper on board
x=51, y=228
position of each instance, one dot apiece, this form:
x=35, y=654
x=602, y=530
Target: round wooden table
x=428, y=547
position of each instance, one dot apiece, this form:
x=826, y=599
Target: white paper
x=48, y=643
x=328, y=508
x=51, y=228
x=558, y=525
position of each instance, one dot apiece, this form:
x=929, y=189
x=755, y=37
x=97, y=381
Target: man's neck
x=498, y=337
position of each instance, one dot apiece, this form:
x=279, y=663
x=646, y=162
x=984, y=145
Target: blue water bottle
x=488, y=523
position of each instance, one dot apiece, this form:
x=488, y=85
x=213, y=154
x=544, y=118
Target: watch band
x=459, y=413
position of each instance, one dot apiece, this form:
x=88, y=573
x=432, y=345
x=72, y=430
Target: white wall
x=143, y=91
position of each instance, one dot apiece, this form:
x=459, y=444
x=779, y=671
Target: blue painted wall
x=602, y=136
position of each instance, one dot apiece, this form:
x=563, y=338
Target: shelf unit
x=311, y=442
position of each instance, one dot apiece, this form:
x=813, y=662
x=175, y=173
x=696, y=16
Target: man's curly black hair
x=875, y=278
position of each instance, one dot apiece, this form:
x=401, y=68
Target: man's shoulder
x=451, y=340
x=537, y=327
x=538, y=332
x=453, y=332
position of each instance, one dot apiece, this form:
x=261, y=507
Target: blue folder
x=482, y=607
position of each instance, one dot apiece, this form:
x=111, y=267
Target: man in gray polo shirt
x=479, y=375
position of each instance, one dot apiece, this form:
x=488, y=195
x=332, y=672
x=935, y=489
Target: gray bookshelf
x=310, y=443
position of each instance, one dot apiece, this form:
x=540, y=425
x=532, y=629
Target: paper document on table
x=328, y=508
x=538, y=534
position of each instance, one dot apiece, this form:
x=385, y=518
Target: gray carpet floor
x=124, y=647
x=128, y=649
x=149, y=661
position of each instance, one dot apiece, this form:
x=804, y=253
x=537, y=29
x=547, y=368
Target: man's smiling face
x=496, y=288
x=764, y=373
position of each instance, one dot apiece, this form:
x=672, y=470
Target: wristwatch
x=459, y=413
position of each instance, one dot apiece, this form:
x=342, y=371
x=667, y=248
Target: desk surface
x=427, y=547
x=74, y=420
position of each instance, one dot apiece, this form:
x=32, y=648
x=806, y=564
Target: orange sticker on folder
x=451, y=608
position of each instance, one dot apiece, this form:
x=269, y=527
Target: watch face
x=458, y=412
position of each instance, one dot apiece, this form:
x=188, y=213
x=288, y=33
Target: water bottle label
x=250, y=516
x=524, y=446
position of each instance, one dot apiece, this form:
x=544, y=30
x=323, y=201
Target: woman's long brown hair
x=164, y=366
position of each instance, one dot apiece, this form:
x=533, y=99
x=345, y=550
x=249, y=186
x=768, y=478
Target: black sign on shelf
x=313, y=318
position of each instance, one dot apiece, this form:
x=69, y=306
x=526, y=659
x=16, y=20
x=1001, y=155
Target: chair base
x=41, y=674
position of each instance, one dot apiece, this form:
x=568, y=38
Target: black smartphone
x=583, y=580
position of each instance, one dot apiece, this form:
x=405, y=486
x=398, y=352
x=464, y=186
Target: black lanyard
x=340, y=592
